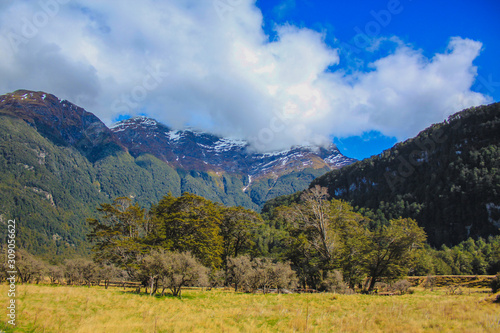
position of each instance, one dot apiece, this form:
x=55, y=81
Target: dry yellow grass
x=80, y=309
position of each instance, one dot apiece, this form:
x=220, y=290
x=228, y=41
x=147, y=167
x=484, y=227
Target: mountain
x=58, y=162
x=61, y=122
x=447, y=178
x=194, y=150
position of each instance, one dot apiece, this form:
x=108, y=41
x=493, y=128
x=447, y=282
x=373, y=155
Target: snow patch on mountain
x=192, y=150
x=174, y=135
x=224, y=145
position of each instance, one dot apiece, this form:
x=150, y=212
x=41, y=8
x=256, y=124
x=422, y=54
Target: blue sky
x=278, y=73
x=428, y=25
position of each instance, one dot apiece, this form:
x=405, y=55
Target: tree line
x=319, y=237
x=310, y=242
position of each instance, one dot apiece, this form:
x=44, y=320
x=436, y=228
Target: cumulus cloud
x=209, y=64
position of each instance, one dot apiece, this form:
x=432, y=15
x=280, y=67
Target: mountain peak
x=61, y=121
x=191, y=149
x=135, y=122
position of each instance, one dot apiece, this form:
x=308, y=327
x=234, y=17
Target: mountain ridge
x=191, y=149
x=62, y=122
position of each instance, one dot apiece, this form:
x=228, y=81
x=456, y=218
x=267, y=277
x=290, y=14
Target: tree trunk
x=373, y=280
x=152, y=285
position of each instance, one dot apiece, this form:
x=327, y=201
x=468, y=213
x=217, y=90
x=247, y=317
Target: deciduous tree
x=189, y=223
x=117, y=235
x=395, y=248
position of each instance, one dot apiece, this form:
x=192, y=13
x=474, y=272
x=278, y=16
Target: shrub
x=79, y=271
x=239, y=270
x=109, y=272
x=334, y=282
x=495, y=284
x=401, y=287
x=28, y=267
x=182, y=269
x=282, y=276
x=56, y=274
x=172, y=270
x=216, y=278
x=430, y=282
x=260, y=273
x=381, y=287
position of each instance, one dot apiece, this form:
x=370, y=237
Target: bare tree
x=152, y=269
x=283, y=277
x=55, y=273
x=334, y=282
x=79, y=271
x=72, y=271
x=28, y=267
x=109, y=272
x=172, y=270
x=239, y=268
x=260, y=273
x=182, y=269
x=89, y=272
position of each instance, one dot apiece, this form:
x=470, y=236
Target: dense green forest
x=447, y=179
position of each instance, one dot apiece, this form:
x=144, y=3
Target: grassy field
x=80, y=309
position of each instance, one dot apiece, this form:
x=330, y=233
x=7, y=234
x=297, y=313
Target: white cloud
x=223, y=73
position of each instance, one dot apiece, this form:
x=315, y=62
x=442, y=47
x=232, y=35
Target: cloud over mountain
x=209, y=64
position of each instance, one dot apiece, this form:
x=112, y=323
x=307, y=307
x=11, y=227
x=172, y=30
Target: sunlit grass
x=82, y=309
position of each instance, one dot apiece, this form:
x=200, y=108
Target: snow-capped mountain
x=194, y=150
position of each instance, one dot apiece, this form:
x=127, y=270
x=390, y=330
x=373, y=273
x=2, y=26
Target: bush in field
x=183, y=270
x=239, y=269
x=79, y=271
x=172, y=270
x=55, y=274
x=109, y=272
x=151, y=269
x=381, y=287
x=260, y=273
x=495, y=284
x=90, y=273
x=334, y=283
x=401, y=287
x=430, y=282
x=72, y=272
x=283, y=277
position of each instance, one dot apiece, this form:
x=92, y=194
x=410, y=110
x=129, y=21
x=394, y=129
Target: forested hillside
x=447, y=179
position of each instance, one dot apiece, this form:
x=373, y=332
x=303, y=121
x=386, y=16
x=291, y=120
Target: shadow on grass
x=7, y=328
x=159, y=296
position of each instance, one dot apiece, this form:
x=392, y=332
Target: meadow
x=46, y=308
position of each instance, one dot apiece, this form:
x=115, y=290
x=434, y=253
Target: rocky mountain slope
x=58, y=162
x=61, y=122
